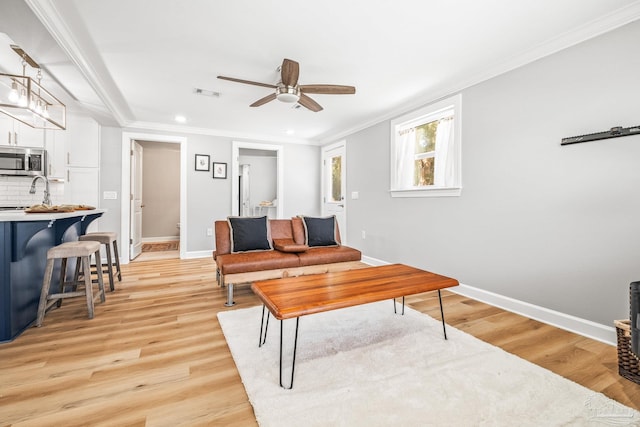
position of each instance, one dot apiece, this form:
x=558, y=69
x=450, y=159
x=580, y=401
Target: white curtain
x=404, y=158
x=443, y=171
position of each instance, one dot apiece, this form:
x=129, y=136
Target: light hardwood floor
x=155, y=354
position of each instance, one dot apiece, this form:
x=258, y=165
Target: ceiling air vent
x=205, y=92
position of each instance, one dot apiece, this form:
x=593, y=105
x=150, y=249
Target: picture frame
x=202, y=162
x=219, y=170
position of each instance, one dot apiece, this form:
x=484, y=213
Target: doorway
x=334, y=185
x=132, y=232
x=257, y=180
x=155, y=220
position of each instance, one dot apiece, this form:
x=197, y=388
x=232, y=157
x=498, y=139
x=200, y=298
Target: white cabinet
x=55, y=144
x=13, y=132
x=6, y=130
x=81, y=159
x=82, y=142
x=82, y=186
x=77, y=146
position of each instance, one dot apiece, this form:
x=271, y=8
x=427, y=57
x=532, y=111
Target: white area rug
x=365, y=366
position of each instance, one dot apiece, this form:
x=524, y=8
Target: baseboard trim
x=586, y=328
x=160, y=239
x=197, y=254
x=373, y=261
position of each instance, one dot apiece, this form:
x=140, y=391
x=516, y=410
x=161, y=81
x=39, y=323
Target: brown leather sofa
x=290, y=256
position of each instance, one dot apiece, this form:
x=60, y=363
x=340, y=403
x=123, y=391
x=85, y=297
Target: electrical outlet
x=209, y=232
x=364, y=234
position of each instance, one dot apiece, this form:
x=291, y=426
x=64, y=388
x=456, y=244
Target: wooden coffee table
x=293, y=297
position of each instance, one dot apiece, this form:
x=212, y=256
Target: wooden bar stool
x=82, y=251
x=109, y=240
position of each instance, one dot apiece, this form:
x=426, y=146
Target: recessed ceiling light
x=180, y=119
x=290, y=132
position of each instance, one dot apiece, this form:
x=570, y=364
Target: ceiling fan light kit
x=287, y=94
x=288, y=90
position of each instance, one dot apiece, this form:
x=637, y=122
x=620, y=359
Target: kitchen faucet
x=32, y=190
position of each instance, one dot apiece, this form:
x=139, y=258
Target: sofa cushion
x=329, y=255
x=280, y=229
x=249, y=234
x=297, y=227
x=246, y=262
x=320, y=231
x=288, y=246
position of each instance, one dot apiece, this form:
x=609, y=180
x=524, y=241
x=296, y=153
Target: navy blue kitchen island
x=24, y=241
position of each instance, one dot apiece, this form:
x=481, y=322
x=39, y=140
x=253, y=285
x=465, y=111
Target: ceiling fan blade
x=328, y=89
x=309, y=103
x=248, y=82
x=264, y=100
x=289, y=72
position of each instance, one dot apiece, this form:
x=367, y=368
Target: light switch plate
x=110, y=195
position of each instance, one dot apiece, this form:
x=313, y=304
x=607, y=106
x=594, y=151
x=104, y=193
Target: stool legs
x=47, y=301
x=100, y=279
x=109, y=268
x=115, y=252
x=88, y=287
x=44, y=294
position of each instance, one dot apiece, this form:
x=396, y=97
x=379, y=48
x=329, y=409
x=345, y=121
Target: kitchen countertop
x=22, y=216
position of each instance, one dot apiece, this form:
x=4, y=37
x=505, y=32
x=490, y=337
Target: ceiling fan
x=288, y=89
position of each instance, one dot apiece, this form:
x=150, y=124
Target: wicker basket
x=628, y=364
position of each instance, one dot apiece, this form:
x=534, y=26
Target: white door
x=334, y=169
x=136, y=200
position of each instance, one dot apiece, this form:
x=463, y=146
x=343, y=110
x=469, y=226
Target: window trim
x=418, y=115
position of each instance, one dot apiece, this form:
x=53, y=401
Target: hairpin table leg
x=264, y=327
x=444, y=329
x=394, y=306
x=295, y=346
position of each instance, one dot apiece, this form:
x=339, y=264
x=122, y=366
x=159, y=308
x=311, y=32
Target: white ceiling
x=135, y=63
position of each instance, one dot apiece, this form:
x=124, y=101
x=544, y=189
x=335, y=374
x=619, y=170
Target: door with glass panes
x=334, y=185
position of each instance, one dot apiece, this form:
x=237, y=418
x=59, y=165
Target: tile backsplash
x=14, y=191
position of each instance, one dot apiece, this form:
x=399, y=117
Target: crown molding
x=84, y=57
x=597, y=27
x=162, y=127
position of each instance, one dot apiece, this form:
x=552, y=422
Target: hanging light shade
x=24, y=98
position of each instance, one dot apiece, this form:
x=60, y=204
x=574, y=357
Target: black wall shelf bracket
x=612, y=133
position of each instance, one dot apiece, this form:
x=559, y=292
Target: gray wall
x=553, y=226
x=301, y=180
x=110, y=177
x=209, y=199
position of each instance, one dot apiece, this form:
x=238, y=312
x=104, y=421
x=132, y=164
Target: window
x=425, y=151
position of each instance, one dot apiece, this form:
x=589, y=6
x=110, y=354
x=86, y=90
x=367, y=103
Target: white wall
x=552, y=226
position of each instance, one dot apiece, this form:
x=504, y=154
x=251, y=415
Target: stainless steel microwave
x=22, y=161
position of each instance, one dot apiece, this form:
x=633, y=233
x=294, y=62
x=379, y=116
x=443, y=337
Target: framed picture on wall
x=202, y=162
x=220, y=170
